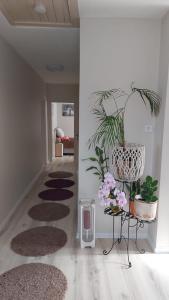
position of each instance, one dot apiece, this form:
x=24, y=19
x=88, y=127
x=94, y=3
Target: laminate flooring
x=90, y=274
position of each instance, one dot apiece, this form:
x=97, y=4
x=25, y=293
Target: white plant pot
x=145, y=211
x=128, y=162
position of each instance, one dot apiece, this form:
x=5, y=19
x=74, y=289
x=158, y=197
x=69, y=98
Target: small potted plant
x=133, y=189
x=145, y=203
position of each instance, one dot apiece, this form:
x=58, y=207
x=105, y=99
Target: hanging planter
x=128, y=162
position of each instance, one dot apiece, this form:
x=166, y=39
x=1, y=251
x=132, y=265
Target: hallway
x=90, y=275
x=63, y=258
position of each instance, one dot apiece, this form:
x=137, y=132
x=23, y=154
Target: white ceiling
x=123, y=8
x=40, y=46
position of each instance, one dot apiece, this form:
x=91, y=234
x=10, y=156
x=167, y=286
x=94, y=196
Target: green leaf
x=97, y=173
x=107, y=158
x=154, y=198
x=99, y=151
x=149, y=179
x=108, y=132
x=155, y=183
x=92, y=158
x=91, y=168
x=152, y=98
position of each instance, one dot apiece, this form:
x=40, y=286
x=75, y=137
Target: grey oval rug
x=48, y=212
x=55, y=194
x=60, y=174
x=35, y=281
x=59, y=183
x=39, y=241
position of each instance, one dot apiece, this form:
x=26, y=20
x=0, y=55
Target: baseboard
x=164, y=250
x=151, y=243
x=6, y=221
x=110, y=236
x=157, y=250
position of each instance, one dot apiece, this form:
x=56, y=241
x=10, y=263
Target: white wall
x=113, y=53
x=62, y=92
x=21, y=148
x=66, y=123
x=159, y=234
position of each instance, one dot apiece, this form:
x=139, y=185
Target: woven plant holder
x=128, y=162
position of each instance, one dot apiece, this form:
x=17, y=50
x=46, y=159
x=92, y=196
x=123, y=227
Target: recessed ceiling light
x=55, y=67
x=40, y=8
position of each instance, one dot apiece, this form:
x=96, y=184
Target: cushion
x=65, y=138
x=59, y=132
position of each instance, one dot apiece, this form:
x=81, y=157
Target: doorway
x=53, y=109
x=62, y=118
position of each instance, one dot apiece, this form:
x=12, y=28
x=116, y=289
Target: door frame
x=76, y=130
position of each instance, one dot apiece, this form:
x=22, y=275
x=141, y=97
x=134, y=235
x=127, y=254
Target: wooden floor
x=90, y=275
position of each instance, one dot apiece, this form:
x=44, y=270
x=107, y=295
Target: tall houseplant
x=111, y=124
x=127, y=159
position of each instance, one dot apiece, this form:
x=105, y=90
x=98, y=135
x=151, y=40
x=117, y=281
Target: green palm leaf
x=103, y=95
x=111, y=128
x=151, y=97
x=107, y=133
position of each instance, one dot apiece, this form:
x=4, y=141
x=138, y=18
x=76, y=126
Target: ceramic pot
x=144, y=210
x=132, y=207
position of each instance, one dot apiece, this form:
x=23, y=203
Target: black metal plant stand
x=125, y=217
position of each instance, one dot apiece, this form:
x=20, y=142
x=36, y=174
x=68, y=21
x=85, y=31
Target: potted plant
x=146, y=202
x=127, y=159
x=109, y=195
x=134, y=189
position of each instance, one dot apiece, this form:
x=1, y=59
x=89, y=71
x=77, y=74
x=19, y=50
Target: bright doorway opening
x=63, y=135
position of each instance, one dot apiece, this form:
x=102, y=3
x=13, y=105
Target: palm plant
x=111, y=127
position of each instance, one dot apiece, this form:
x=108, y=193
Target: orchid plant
x=109, y=195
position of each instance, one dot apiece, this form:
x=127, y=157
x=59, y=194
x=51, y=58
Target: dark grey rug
x=39, y=241
x=59, y=183
x=33, y=281
x=48, y=212
x=55, y=194
x=60, y=174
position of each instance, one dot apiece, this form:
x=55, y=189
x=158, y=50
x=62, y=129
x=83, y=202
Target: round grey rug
x=59, y=183
x=39, y=241
x=33, y=281
x=49, y=212
x=60, y=174
x=55, y=194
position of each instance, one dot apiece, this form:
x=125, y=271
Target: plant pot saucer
x=145, y=219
